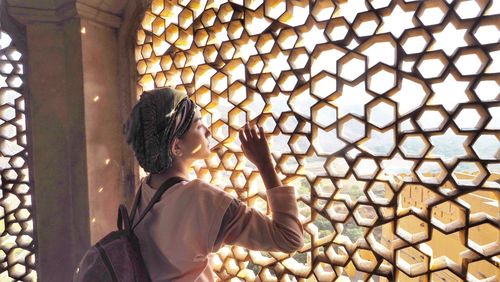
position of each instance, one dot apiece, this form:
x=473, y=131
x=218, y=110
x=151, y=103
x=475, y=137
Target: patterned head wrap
x=159, y=116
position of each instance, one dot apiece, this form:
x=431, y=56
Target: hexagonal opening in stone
x=488, y=90
x=415, y=41
x=351, y=129
x=337, y=29
x=324, y=272
x=488, y=31
x=351, y=66
x=380, y=193
x=470, y=9
x=158, y=25
x=381, y=113
x=220, y=130
x=323, y=10
x=237, y=118
x=201, y=37
x=366, y=168
x=323, y=85
x=432, y=119
x=266, y=83
x=412, y=261
x=337, y=167
x=265, y=43
x=208, y=18
x=255, y=64
x=432, y=172
x=210, y=54
x=7, y=113
x=288, y=123
x=482, y=270
x=287, y=39
x=225, y=13
x=487, y=146
x=414, y=145
x=288, y=164
x=171, y=34
x=324, y=114
x=365, y=215
x=470, y=118
x=412, y=229
x=364, y=260
x=484, y=239
x=298, y=58
x=381, y=79
x=337, y=254
x=267, y=122
x=432, y=65
x=299, y=144
x=287, y=81
x=366, y=24
x=324, y=187
x=274, y=9
x=469, y=173
x=227, y=50
x=237, y=93
x=219, y=82
x=448, y=216
x=17, y=271
x=8, y=131
x=471, y=61
x=432, y=12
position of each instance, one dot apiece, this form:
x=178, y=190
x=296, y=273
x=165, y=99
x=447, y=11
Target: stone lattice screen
x=383, y=114
x=17, y=248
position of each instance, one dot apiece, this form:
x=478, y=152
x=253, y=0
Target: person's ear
x=176, y=148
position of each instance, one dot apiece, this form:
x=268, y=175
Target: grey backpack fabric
x=117, y=256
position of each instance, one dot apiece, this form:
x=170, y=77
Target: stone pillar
x=81, y=75
x=56, y=117
x=103, y=123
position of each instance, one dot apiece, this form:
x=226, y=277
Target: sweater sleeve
x=249, y=228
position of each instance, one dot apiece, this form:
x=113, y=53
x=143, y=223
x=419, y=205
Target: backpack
x=117, y=256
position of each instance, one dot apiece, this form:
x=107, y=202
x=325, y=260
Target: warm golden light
x=379, y=113
x=195, y=150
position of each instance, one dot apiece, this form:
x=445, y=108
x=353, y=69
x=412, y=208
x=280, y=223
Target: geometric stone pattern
x=17, y=239
x=383, y=114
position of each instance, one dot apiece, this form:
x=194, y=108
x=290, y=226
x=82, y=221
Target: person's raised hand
x=254, y=145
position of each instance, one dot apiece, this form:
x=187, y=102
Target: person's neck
x=176, y=170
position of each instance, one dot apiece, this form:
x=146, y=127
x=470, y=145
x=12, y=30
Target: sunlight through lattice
x=383, y=115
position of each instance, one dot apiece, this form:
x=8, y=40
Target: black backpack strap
x=123, y=219
x=137, y=198
x=167, y=184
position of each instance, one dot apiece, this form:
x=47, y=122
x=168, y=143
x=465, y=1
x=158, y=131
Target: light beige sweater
x=178, y=234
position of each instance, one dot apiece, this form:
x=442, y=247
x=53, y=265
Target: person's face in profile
x=194, y=143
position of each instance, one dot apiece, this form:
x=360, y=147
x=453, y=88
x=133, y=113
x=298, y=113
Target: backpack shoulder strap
x=137, y=198
x=167, y=184
x=124, y=218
